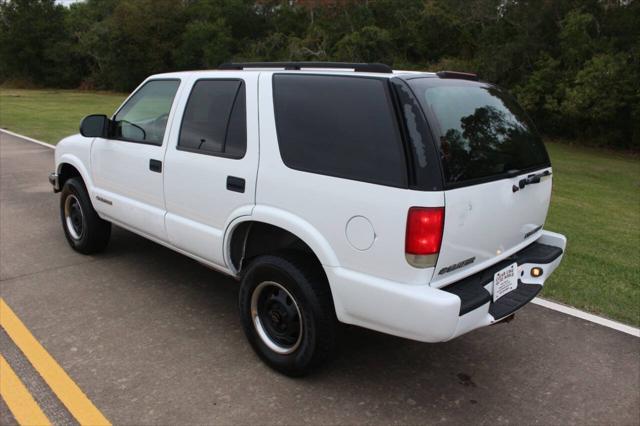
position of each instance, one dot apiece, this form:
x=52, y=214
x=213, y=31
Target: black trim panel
x=356, y=66
x=538, y=253
x=514, y=300
x=494, y=178
x=471, y=290
x=429, y=176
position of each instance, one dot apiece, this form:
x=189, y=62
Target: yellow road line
x=20, y=402
x=60, y=383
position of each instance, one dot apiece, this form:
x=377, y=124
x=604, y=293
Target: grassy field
x=596, y=202
x=50, y=115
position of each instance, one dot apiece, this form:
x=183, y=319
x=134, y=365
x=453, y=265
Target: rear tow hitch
x=506, y=319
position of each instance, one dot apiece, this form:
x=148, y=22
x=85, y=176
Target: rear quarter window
x=339, y=126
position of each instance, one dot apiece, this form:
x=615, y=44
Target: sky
x=66, y=2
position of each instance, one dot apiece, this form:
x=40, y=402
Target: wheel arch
x=70, y=166
x=274, y=229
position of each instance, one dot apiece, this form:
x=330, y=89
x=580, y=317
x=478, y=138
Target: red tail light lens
x=424, y=230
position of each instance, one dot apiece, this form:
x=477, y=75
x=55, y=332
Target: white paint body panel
x=76, y=151
x=197, y=201
x=372, y=284
x=121, y=175
x=327, y=204
x=488, y=222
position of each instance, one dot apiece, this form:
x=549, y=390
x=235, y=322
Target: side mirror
x=95, y=126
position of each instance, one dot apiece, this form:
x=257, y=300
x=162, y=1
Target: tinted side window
x=214, y=119
x=422, y=152
x=144, y=117
x=339, y=126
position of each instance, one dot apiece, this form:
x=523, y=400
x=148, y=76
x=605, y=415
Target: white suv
x=408, y=203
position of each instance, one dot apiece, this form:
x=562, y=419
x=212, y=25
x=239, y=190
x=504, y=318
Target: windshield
x=481, y=131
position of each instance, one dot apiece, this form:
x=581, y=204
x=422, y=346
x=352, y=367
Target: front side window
x=144, y=117
x=339, y=126
x=482, y=133
x=215, y=119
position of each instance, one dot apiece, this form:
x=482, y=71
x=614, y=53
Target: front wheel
x=287, y=313
x=86, y=232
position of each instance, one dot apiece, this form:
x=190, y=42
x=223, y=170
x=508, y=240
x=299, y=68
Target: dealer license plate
x=505, y=281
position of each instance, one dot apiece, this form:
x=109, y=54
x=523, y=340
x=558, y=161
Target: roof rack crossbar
x=358, y=67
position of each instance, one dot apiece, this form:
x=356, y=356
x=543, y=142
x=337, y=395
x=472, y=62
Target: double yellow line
x=20, y=402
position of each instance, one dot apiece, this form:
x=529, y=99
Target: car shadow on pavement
x=524, y=366
x=359, y=353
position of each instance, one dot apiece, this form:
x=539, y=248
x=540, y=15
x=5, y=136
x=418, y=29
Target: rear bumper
x=429, y=314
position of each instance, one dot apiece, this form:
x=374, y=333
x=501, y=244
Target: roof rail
x=358, y=67
x=458, y=75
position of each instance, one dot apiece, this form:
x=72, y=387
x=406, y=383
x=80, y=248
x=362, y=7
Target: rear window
x=481, y=132
x=339, y=126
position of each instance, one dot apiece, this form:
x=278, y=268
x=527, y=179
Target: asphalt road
x=153, y=337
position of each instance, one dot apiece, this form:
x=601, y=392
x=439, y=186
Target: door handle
x=530, y=180
x=155, y=166
x=235, y=184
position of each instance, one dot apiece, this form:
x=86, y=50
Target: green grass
x=596, y=202
x=50, y=115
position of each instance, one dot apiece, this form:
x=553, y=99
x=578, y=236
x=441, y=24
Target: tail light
x=424, y=235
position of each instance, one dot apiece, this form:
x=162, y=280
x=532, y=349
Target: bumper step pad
x=514, y=300
x=472, y=293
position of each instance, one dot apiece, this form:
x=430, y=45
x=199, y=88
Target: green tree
x=34, y=45
x=573, y=64
x=602, y=100
x=543, y=92
x=577, y=38
x=438, y=33
x=137, y=39
x=205, y=44
x=370, y=44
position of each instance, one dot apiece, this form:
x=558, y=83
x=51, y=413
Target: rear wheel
x=86, y=232
x=287, y=313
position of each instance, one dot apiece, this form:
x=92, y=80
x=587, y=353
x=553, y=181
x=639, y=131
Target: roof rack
x=357, y=67
x=458, y=75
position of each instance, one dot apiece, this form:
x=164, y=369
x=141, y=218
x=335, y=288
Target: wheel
x=86, y=232
x=287, y=313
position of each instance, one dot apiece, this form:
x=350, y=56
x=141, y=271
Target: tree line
x=573, y=65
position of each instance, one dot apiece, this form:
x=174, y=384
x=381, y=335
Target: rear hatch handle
x=530, y=180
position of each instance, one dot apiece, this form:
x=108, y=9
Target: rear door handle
x=155, y=166
x=235, y=184
x=530, y=180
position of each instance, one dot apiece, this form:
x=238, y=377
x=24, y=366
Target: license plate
x=505, y=280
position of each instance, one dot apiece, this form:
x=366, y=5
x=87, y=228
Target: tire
x=273, y=292
x=86, y=232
